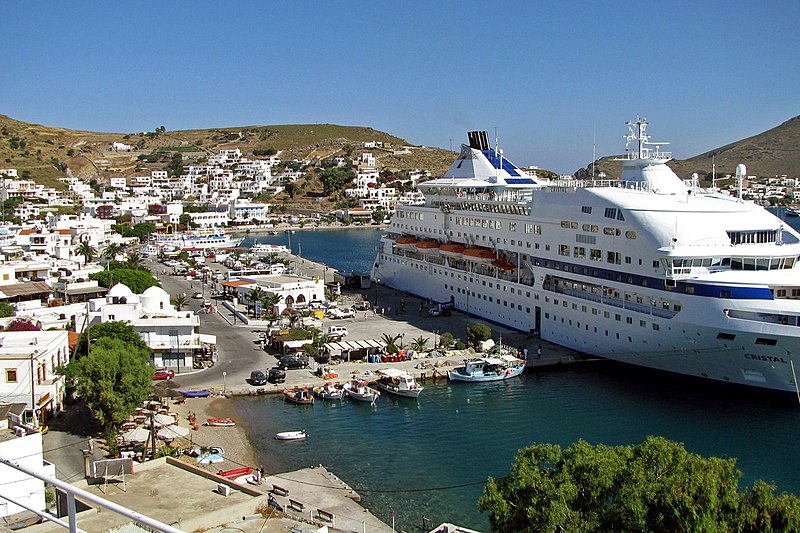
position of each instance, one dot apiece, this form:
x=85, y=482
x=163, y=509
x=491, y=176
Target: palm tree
x=87, y=251
x=179, y=301
x=269, y=301
x=390, y=341
x=135, y=260
x=254, y=296
x=112, y=250
x=419, y=344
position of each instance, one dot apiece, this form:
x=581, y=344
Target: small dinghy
x=291, y=435
x=223, y=422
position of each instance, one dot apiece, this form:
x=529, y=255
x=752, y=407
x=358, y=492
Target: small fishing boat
x=398, y=382
x=792, y=211
x=223, y=422
x=203, y=393
x=291, y=435
x=358, y=390
x=488, y=369
x=299, y=396
x=328, y=391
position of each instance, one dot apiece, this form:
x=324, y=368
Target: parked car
x=335, y=312
x=337, y=331
x=293, y=361
x=197, y=296
x=318, y=304
x=363, y=305
x=257, y=377
x=277, y=375
x=164, y=373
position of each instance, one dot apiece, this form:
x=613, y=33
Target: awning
x=352, y=346
x=208, y=339
x=24, y=289
x=297, y=344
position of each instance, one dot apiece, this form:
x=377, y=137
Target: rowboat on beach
x=203, y=393
x=222, y=422
x=291, y=435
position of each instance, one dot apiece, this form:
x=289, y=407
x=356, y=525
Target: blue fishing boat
x=496, y=368
x=202, y=393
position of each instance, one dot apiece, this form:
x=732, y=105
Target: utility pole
x=33, y=392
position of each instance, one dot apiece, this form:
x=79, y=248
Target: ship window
x=766, y=342
x=725, y=294
x=725, y=336
x=586, y=209
x=565, y=224
x=655, y=327
x=630, y=234
x=563, y=249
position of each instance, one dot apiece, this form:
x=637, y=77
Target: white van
x=337, y=331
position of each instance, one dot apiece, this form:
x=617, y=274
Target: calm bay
x=432, y=457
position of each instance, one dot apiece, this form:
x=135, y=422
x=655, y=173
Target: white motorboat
x=398, y=382
x=495, y=368
x=291, y=435
x=358, y=390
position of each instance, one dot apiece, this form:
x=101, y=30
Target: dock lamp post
x=377, y=282
x=224, y=382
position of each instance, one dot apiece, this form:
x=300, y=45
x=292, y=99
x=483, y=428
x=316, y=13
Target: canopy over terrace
x=354, y=349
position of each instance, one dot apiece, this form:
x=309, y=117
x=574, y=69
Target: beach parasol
x=136, y=435
x=173, y=432
x=163, y=420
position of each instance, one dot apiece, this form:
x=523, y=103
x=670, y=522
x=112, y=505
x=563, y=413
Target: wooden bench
x=296, y=505
x=326, y=516
x=280, y=491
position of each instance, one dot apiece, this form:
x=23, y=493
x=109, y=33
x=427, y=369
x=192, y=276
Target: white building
x=120, y=147
x=294, y=291
x=29, y=360
x=25, y=450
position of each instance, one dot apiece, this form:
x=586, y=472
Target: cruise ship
x=646, y=269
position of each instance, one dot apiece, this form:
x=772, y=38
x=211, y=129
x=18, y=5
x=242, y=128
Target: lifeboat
x=428, y=247
x=479, y=255
x=503, y=264
x=406, y=241
x=451, y=249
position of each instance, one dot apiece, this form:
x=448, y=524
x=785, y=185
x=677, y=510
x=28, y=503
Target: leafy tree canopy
x=334, y=179
x=113, y=330
x=478, y=333
x=6, y=309
x=137, y=280
x=112, y=380
x=654, y=486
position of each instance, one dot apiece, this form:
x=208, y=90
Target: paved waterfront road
x=238, y=353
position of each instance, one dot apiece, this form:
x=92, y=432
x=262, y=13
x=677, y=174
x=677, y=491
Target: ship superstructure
x=645, y=269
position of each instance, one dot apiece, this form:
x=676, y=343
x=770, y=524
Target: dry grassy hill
x=771, y=153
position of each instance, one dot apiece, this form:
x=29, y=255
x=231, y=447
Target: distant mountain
x=45, y=153
x=773, y=152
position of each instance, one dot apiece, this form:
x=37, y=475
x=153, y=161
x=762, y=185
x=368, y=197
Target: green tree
x=112, y=380
x=111, y=251
x=143, y=230
x=334, y=179
x=88, y=251
x=390, y=341
x=134, y=260
x=378, y=215
x=137, y=281
x=179, y=302
x=269, y=301
x=6, y=309
x=184, y=220
x=478, y=333
x=290, y=189
x=446, y=340
x=254, y=295
x=111, y=330
x=175, y=166
x=654, y=486
x=419, y=344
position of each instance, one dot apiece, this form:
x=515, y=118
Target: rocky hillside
x=45, y=153
x=771, y=153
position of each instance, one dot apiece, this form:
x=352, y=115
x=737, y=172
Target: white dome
x=119, y=289
x=155, y=299
x=155, y=290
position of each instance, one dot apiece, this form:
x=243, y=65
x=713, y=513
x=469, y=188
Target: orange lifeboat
x=479, y=255
x=452, y=249
x=428, y=247
x=406, y=241
x=503, y=264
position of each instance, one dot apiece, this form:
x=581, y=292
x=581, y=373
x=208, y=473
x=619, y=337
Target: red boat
x=406, y=241
x=479, y=254
x=236, y=472
x=452, y=249
x=428, y=247
x=224, y=422
x=300, y=396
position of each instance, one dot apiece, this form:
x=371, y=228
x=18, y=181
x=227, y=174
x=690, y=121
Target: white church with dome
x=173, y=336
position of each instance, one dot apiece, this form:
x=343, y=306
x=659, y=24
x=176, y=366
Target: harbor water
x=430, y=458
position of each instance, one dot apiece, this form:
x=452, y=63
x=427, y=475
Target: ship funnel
x=478, y=140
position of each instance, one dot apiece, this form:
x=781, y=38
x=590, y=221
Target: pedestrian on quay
x=538, y=351
x=90, y=445
x=525, y=353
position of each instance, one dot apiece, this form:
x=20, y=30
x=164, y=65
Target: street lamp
x=377, y=282
x=224, y=383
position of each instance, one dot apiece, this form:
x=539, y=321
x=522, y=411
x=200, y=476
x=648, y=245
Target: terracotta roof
x=30, y=287
x=28, y=231
x=73, y=339
x=236, y=283
x=63, y=232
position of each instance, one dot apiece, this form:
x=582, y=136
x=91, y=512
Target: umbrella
x=163, y=420
x=173, y=432
x=136, y=435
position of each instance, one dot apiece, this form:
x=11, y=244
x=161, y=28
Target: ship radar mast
x=637, y=134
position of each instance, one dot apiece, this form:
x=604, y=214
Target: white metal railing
x=88, y=496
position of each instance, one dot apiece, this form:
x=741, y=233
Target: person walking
x=538, y=351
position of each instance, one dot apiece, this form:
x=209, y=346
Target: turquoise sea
x=430, y=458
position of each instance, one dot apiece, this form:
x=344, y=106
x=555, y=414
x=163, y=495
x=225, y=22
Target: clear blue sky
x=548, y=75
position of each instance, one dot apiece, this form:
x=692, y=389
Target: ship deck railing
x=612, y=301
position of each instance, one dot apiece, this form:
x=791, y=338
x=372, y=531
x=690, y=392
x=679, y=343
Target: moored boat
x=299, y=396
x=792, y=211
x=291, y=435
x=358, y=390
x=398, y=382
x=328, y=391
x=236, y=472
x=496, y=368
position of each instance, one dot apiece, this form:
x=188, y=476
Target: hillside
x=773, y=152
x=44, y=153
